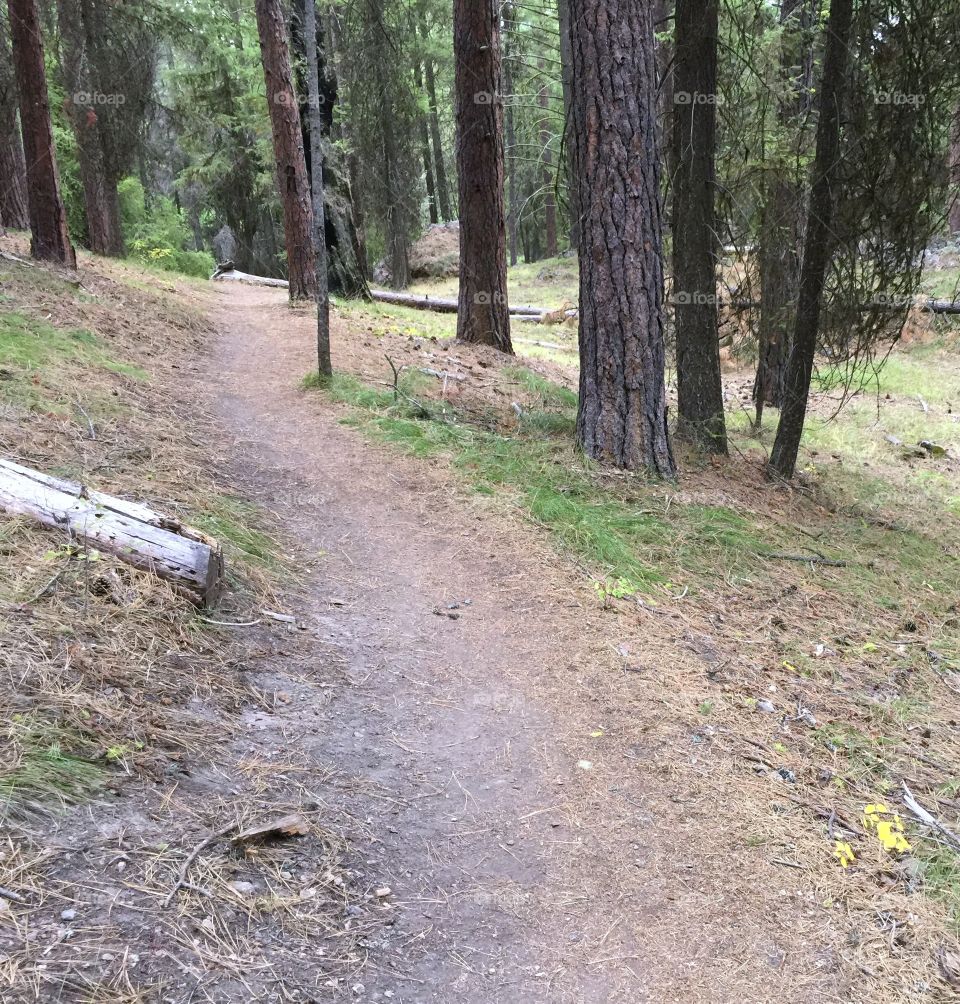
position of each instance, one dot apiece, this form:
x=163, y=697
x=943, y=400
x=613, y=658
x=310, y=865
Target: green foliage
x=157, y=234
x=235, y=523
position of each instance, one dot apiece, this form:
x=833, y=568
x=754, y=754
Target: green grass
x=235, y=523
x=43, y=774
x=621, y=534
x=39, y=364
x=940, y=871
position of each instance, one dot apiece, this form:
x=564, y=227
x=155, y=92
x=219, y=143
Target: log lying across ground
x=232, y=275
x=132, y=532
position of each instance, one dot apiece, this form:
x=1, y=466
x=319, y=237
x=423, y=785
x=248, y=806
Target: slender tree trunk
x=782, y=222
x=292, y=179
x=443, y=190
x=48, y=220
x=324, y=365
x=397, y=250
x=425, y=154
x=510, y=153
x=546, y=172
x=568, y=146
x=13, y=170
x=483, y=316
x=818, y=245
x=699, y=387
x=954, y=213
x=622, y=417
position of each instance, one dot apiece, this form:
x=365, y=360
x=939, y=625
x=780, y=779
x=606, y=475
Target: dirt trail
x=445, y=700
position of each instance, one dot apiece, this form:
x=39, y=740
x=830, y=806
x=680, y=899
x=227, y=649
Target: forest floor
x=555, y=734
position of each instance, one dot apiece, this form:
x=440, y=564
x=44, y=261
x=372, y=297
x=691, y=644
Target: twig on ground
x=192, y=856
x=90, y=426
x=813, y=559
x=10, y=894
x=207, y=620
x=925, y=816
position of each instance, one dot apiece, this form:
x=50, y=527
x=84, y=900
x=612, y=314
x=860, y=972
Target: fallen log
x=132, y=532
x=442, y=305
x=232, y=275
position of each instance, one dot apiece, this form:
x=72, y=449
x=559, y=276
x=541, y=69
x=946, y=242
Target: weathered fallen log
x=440, y=304
x=130, y=531
x=232, y=275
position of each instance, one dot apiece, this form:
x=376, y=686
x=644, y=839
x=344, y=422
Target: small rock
x=383, y=891
x=787, y=775
x=68, y=914
x=243, y=888
x=767, y=707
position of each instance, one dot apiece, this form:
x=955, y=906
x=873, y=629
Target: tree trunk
x=75, y=65
x=13, y=169
x=782, y=222
x=443, y=190
x=622, y=415
x=397, y=250
x=324, y=365
x=346, y=261
x=819, y=242
x=954, y=214
x=425, y=154
x=510, y=152
x=48, y=220
x=292, y=180
x=483, y=316
x=546, y=166
x=699, y=387
x=567, y=145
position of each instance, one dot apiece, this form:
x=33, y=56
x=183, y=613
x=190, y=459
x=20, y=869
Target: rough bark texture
x=622, y=416
x=292, y=179
x=483, y=316
x=48, y=220
x=782, y=224
x=324, y=365
x=510, y=153
x=13, y=169
x=443, y=189
x=818, y=243
x=699, y=388
x=566, y=80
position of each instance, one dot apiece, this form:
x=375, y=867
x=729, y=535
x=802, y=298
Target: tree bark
x=546, y=167
x=510, y=152
x=292, y=180
x=818, y=244
x=483, y=316
x=699, y=387
x=622, y=415
x=782, y=222
x=13, y=169
x=568, y=146
x=324, y=365
x=48, y=220
x=443, y=190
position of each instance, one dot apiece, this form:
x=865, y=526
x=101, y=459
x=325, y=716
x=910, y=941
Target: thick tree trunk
x=483, y=316
x=568, y=146
x=818, y=244
x=292, y=180
x=443, y=189
x=699, y=387
x=546, y=172
x=13, y=169
x=510, y=152
x=622, y=416
x=782, y=224
x=324, y=365
x=48, y=220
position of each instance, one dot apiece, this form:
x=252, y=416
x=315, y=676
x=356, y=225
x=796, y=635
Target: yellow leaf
x=790, y=666
x=887, y=825
x=597, y=734
x=843, y=852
